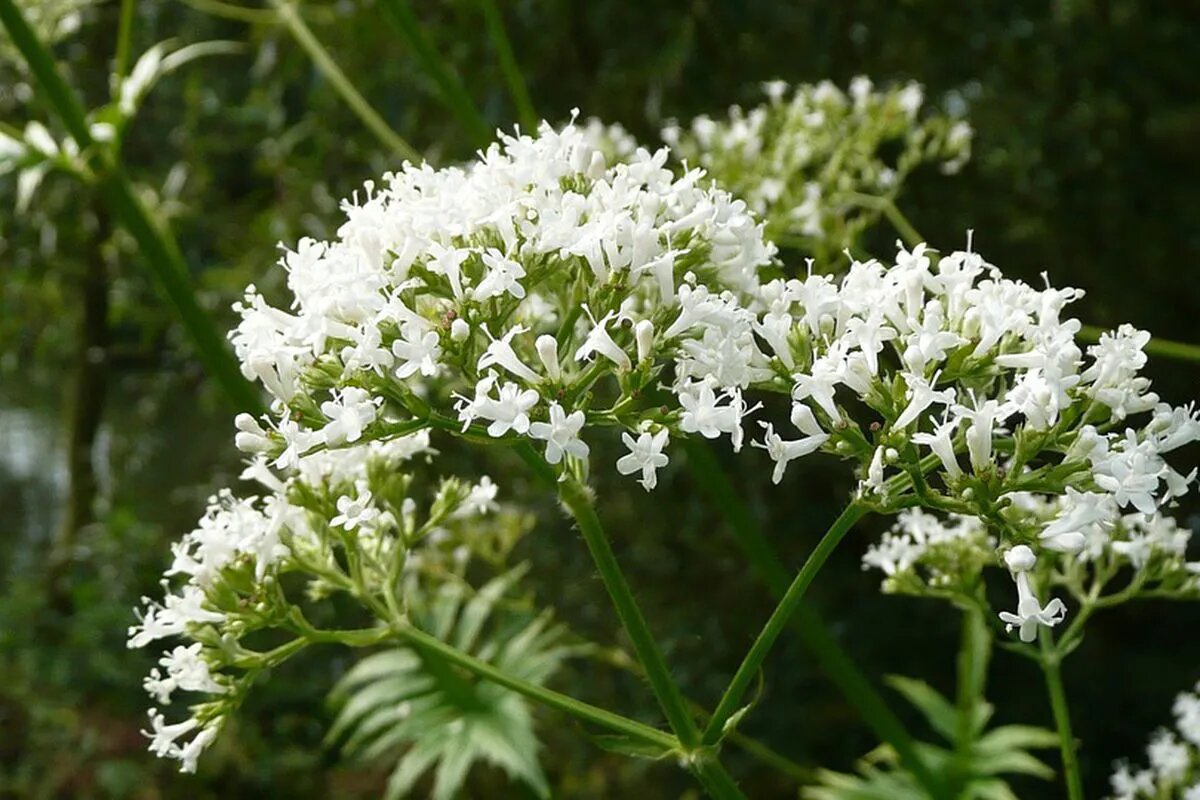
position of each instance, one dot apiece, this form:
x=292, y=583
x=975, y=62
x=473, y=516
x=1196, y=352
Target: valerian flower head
x=943, y=379
x=547, y=279
x=332, y=508
x=1174, y=759
x=810, y=160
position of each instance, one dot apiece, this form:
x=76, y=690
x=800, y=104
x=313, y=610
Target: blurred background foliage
x=1087, y=116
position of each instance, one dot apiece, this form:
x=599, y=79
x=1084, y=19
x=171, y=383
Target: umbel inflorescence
x=542, y=294
x=818, y=164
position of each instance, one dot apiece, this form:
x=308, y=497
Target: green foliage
x=975, y=760
x=413, y=701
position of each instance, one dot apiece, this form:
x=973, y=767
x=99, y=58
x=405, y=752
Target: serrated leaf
x=479, y=607
x=451, y=722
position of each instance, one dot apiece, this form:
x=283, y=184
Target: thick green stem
x=974, y=653
x=159, y=250
x=341, y=84
x=1050, y=662
x=836, y=663
x=124, y=40
x=575, y=498
x=715, y=779
x=778, y=621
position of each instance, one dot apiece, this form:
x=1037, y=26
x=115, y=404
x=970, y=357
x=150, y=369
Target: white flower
x=645, y=455
x=643, y=335
x=418, y=349
x=982, y=424
x=599, y=342
x=355, y=512
x=1081, y=512
x=503, y=275
x=1169, y=758
x=188, y=671
x=191, y=752
x=351, y=410
x=508, y=411
x=480, y=500
x=782, y=451
x=921, y=396
x=500, y=353
x=703, y=414
x=819, y=384
x=874, y=481
x=941, y=442
x=1030, y=613
x=561, y=434
x=162, y=736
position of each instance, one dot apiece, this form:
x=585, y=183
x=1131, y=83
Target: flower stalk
x=777, y=621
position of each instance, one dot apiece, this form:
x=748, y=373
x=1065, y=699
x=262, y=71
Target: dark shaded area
x=1087, y=118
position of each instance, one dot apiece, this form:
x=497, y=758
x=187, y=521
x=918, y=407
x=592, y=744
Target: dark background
x=1087, y=120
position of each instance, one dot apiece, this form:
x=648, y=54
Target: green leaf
x=1016, y=737
x=426, y=714
x=1017, y=761
x=626, y=746
x=940, y=712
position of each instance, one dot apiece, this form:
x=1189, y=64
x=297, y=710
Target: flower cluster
x=816, y=162
x=1098, y=556
x=344, y=521
x=959, y=390
x=540, y=292
x=1174, y=757
x=503, y=293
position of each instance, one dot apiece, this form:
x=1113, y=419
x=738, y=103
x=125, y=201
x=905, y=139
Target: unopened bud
x=643, y=333
x=1020, y=559
x=547, y=350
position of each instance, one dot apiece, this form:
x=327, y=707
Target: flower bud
x=643, y=333
x=547, y=350
x=596, y=167
x=250, y=438
x=459, y=330
x=1020, y=559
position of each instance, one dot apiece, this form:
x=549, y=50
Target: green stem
x=547, y=697
x=777, y=621
x=1050, y=662
x=907, y=232
x=508, y=66
x=158, y=248
x=450, y=86
x=973, y=655
x=575, y=497
x=715, y=779
x=837, y=664
x=124, y=40
x=435, y=648
x=341, y=84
